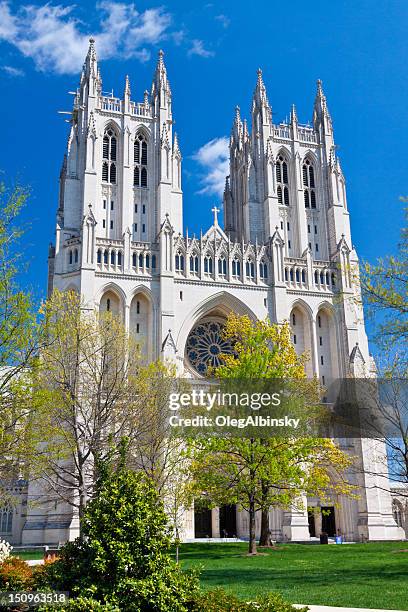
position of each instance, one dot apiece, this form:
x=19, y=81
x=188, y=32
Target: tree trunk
x=81, y=512
x=264, y=540
x=252, y=537
x=83, y=500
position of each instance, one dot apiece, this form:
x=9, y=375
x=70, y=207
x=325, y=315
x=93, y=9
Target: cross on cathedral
x=215, y=210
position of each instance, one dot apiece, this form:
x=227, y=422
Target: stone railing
x=296, y=273
x=325, y=275
x=281, y=131
x=111, y=104
x=140, y=109
x=143, y=258
x=307, y=134
x=321, y=277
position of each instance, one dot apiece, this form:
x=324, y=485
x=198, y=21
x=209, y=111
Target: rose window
x=205, y=344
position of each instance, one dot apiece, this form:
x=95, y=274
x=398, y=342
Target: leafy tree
x=259, y=473
x=88, y=391
x=385, y=292
x=157, y=452
x=125, y=557
x=261, y=350
x=18, y=343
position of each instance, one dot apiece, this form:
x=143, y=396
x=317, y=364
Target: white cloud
x=198, y=48
x=178, y=37
x=56, y=41
x=224, y=20
x=14, y=72
x=213, y=157
x=8, y=28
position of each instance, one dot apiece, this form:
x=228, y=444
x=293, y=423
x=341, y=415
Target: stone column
x=215, y=522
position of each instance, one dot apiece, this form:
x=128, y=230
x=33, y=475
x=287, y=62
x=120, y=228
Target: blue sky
x=212, y=51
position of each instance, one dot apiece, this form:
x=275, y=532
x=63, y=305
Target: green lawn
x=360, y=575
x=28, y=554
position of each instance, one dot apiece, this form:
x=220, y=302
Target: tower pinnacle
x=260, y=102
x=293, y=114
x=320, y=100
x=90, y=61
x=321, y=112
x=160, y=81
x=127, y=86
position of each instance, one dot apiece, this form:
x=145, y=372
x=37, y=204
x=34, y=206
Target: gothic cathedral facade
x=285, y=253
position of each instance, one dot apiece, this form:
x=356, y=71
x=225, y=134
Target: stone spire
x=237, y=127
x=245, y=130
x=321, y=111
x=160, y=80
x=91, y=76
x=126, y=95
x=99, y=82
x=90, y=65
x=176, y=148
x=293, y=115
x=260, y=103
x=127, y=91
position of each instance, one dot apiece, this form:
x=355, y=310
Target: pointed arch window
x=208, y=264
x=109, y=155
x=263, y=270
x=236, y=268
x=282, y=180
x=222, y=266
x=6, y=518
x=194, y=264
x=250, y=269
x=179, y=262
x=309, y=190
x=140, y=161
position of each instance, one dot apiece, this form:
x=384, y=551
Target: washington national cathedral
x=285, y=252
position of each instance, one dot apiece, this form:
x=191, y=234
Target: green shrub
x=274, y=602
x=219, y=600
x=15, y=575
x=125, y=556
x=40, y=575
x=216, y=600
x=82, y=604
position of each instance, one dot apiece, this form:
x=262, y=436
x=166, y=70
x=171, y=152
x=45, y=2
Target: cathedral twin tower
x=285, y=251
x=120, y=228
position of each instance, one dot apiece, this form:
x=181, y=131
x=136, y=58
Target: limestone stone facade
x=285, y=252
